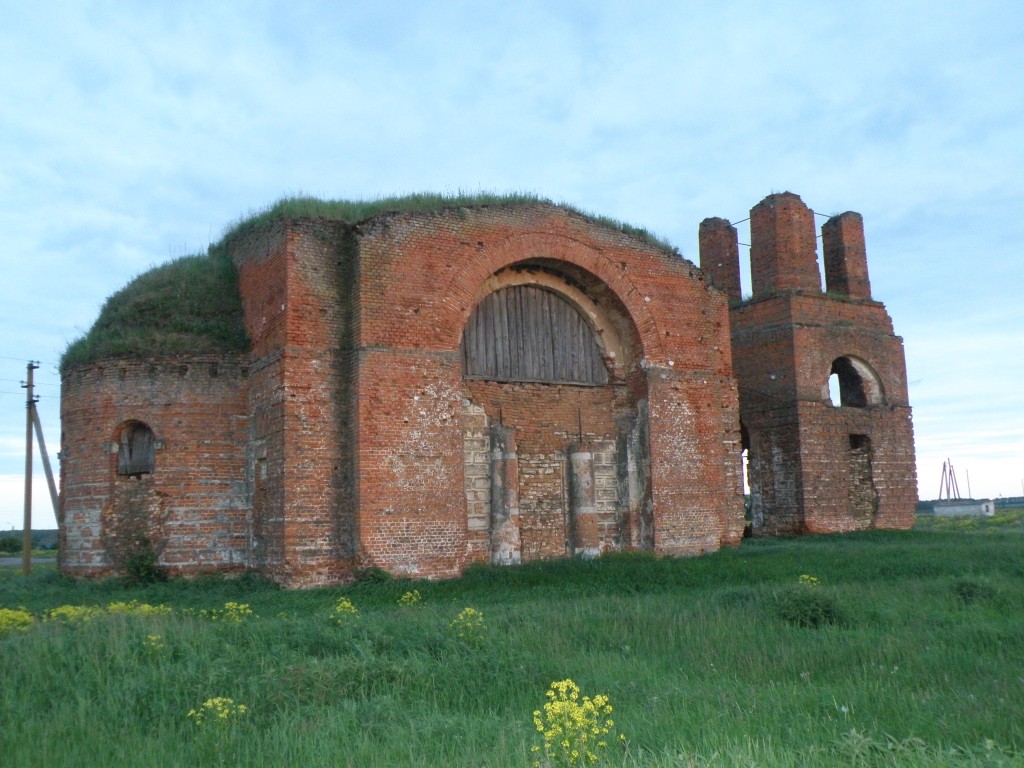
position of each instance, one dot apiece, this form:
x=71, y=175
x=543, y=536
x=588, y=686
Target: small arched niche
x=852, y=383
x=136, y=449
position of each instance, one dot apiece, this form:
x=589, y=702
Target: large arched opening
x=556, y=394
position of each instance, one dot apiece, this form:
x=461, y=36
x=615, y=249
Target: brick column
x=720, y=256
x=586, y=540
x=783, y=254
x=846, y=261
x=505, y=542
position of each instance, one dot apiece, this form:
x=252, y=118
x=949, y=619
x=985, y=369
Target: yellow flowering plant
x=806, y=580
x=15, y=620
x=573, y=729
x=154, y=646
x=344, y=610
x=469, y=626
x=231, y=613
x=218, y=712
x=135, y=608
x=72, y=614
x=410, y=598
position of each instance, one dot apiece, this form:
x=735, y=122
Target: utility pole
x=54, y=496
x=26, y=533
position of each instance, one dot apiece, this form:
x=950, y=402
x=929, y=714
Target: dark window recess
x=137, y=452
x=525, y=333
x=851, y=386
x=860, y=443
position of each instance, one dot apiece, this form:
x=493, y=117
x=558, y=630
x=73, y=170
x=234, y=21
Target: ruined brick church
x=496, y=383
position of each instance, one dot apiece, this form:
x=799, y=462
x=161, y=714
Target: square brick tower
x=814, y=465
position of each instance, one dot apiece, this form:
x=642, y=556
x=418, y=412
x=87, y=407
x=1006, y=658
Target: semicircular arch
x=857, y=383
x=575, y=264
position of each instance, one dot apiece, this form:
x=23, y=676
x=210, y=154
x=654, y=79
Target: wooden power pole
x=26, y=532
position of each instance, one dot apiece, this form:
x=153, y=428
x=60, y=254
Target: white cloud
x=135, y=133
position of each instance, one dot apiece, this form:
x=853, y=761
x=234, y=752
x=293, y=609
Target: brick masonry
x=815, y=466
x=348, y=437
x=193, y=509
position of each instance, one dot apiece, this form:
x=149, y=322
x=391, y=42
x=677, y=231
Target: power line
x=23, y=360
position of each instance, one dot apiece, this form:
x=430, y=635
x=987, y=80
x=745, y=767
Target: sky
x=134, y=133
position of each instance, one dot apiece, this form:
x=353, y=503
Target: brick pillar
x=846, y=261
x=720, y=256
x=783, y=254
x=586, y=540
x=505, y=542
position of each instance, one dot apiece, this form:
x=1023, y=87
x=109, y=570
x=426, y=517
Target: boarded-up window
x=136, y=453
x=526, y=333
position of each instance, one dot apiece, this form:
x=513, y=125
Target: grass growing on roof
x=187, y=306
x=353, y=211
x=192, y=305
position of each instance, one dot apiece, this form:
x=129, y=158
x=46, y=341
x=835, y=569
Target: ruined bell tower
x=824, y=411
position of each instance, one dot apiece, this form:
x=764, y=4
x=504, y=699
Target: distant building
x=964, y=508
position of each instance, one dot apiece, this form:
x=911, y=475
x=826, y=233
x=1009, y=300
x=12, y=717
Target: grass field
x=876, y=649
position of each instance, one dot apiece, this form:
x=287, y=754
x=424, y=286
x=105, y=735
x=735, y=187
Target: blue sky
x=133, y=133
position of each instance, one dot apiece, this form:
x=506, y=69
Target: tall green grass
x=701, y=658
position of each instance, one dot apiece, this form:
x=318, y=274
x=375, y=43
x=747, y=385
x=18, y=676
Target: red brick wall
x=260, y=258
x=193, y=508
x=548, y=418
x=345, y=446
x=298, y=283
x=720, y=256
x=412, y=508
x=421, y=276
x=782, y=246
x=804, y=475
x=845, y=256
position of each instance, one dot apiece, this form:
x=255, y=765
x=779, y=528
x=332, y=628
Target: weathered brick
x=814, y=466
x=348, y=435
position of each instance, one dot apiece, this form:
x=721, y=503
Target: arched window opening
x=528, y=333
x=136, y=454
x=853, y=383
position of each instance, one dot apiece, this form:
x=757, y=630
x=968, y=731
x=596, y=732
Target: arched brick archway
x=562, y=255
x=857, y=384
x=559, y=446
